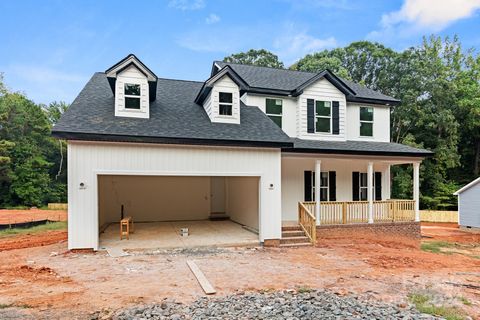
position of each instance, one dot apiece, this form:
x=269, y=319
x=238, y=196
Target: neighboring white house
x=469, y=205
x=256, y=143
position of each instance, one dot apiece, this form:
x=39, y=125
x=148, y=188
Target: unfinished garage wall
x=153, y=198
x=242, y=200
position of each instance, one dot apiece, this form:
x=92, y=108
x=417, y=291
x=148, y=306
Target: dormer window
x=132, y=96
x=134, y=87
x=226, y=103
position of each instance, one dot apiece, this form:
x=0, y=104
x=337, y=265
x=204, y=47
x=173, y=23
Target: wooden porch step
x=292, y=233
x=292, y=228
x=298, y=239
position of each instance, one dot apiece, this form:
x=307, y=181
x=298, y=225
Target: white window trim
x=360, y=187
x=125, y=96
x=274, y=114
x=225, y=103
x=365, y=121
x=321, y=187
x=324, y=117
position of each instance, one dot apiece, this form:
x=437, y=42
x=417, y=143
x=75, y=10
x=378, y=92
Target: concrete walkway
x=166, y=235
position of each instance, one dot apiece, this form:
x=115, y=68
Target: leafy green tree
x=55, y=110
x=468, y=114
x=323, y=60
x=260, y=57
x=25, y=125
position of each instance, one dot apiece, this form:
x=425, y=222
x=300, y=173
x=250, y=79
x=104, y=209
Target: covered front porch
x=350, y=189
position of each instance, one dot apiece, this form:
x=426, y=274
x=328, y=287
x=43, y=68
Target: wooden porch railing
x=307, y=221
x=346, y=212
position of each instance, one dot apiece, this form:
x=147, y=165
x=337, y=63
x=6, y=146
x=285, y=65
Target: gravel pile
x=278, y=305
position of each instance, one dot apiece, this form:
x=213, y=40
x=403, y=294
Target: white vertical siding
x=134, y=76
x=293, y=169
x=87, y=160
x=469, y=207
x=289, y=110
x=381, y=123
x=320, y=90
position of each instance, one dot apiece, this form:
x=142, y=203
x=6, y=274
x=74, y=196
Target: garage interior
x=218, y=211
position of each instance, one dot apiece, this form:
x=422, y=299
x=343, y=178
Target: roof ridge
x=161, y=78
x=283, y=69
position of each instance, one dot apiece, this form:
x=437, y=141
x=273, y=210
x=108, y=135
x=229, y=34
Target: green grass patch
x=4, y=306
x=436, y=246
x=59, y=225
x=16, y=208
x=304, y=289
x=465, y=301
x=423, y=304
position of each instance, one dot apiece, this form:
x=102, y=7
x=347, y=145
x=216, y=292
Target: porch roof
x=356, y=147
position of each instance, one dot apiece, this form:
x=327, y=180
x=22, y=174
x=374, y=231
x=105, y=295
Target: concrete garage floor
x=166, y=235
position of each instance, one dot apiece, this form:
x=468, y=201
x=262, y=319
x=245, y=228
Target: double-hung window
x=366, y=121
x=363, y=185
x=273, y=109
x=324, y=184
x=226, y=103
x=323, y=116
x=132, y=96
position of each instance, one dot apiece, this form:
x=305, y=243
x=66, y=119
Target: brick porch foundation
x=394, y=230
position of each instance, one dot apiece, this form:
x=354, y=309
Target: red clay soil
x=73, y=285
x=448, y=232
x=32, y=240
x=18, y=216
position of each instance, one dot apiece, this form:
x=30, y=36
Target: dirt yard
x=51, y=282
x=17, y=216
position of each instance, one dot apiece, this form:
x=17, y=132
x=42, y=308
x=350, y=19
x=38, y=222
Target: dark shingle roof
x=173, y=115
x=366, y=93
x=289, y=80
x=357, y=147
x=269, y=78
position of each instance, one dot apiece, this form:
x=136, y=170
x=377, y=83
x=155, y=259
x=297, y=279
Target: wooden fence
x=438, y=216
x=58, y=206
x=347, y=212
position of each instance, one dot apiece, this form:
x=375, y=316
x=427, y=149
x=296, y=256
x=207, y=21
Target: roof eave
x=83, y=136
x=392, y=102
x=468, y=186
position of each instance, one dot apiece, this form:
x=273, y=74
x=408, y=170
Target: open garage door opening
x=216, y=210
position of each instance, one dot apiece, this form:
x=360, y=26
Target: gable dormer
x=220, y=96
x=134, y=86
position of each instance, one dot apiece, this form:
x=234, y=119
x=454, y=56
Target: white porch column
x=317, y=190
x=388, y=183
x=416, y=189
x=370, y=191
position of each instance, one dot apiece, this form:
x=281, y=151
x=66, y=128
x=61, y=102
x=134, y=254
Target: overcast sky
x=49, y=49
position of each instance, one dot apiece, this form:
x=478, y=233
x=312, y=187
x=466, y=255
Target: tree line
x=438, y=83
x=32, y=163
